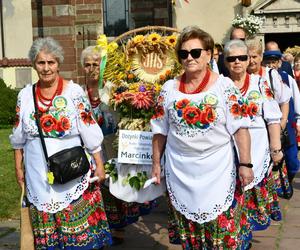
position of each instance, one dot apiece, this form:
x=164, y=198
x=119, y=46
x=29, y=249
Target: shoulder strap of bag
x=271, y=80
x=37, y=119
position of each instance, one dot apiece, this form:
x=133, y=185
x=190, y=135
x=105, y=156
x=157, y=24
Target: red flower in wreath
x=191, y=114
x=182, y=103
x=235, y=109
x=48, y=123
x=63, y=124
x=208, y=115
x=87, y=117
x=252, y=109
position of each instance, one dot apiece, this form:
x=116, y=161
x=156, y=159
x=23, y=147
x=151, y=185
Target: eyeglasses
x=242, y=58
x=195, y=53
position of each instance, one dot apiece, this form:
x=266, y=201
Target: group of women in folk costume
x=220, y=138
x=219, y=189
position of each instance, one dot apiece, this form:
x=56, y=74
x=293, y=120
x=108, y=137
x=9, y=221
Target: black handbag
x=65, y=165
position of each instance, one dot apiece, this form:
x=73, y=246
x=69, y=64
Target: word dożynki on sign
x=135, y=147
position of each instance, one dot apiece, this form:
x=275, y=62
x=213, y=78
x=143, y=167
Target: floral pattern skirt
x=272, y=205
x=225, y=232
x=82, y=225
x=283, y=187
x=121, y=213
x=256, y=200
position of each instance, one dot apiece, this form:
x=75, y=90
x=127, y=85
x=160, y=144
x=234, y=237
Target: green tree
x=8, y=99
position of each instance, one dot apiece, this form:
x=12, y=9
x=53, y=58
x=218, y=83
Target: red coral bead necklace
x=47, y=102
x=246, y=84
x=200, y=87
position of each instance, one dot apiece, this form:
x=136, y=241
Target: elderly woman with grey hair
x=263, y=110
x=119, y=213
x=69, y=215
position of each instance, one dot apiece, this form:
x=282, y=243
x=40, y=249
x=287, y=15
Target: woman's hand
x=100, y=173
x=19, y=166
x=20, y=176
x=277, y=157
x=246, y=175
x=156, y=170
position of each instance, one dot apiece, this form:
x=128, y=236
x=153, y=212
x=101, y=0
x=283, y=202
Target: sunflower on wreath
x=137, y=68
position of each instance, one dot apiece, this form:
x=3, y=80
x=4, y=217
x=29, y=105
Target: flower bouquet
x=252, y=24
x=137, y=67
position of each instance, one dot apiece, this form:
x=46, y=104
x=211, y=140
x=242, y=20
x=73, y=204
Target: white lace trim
x=54, y=206
x=259, y=178
x=200, y=216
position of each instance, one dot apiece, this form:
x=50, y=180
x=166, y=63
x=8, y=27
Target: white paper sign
x=135, y=147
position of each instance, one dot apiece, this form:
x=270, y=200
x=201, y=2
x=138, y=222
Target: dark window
x=122, y=15
x=116, y=17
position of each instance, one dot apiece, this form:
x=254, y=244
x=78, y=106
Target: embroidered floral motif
x=17, y=118
x=242, y=107
x=195, y=115
x=85, y=110
x=54, y=123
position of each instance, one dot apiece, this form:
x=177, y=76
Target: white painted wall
x=17, y=22
x=213, y=16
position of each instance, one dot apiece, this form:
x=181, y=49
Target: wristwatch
x=247, y=165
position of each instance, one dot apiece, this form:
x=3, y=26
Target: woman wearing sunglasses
x=193, y=126
x=260, y=106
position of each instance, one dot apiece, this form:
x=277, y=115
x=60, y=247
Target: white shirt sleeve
x=160, y=121
x=296, y=98
x=18, y=137
x=282, y=92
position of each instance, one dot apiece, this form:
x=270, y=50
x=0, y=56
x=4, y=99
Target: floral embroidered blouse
x=259, y=99
x=200, y=170
x=68, y=119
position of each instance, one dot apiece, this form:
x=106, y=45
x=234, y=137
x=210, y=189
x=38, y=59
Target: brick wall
x=74, y=23
x=150, y=12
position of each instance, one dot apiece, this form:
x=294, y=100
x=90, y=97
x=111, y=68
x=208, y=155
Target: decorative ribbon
x=103, y=46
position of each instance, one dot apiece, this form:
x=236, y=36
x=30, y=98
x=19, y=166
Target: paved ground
x=150, y=232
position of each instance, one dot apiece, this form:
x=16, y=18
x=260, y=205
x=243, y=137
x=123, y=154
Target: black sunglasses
x=195, y=53
x=233, y=58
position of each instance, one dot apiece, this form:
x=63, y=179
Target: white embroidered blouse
x=69, y=118
x=200, y=169
x=262, y=108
